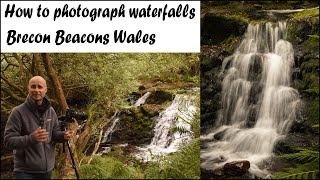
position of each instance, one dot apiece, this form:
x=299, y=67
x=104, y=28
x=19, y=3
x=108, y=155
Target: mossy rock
x=150, y=110
x=300, y=30
x=313, y=112
x=159, y=97
x=216, y=29
x=136, y=127
x=312, y=43
x=310, y=75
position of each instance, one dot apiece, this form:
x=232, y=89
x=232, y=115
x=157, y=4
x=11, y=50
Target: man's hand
x=68, y=135
x=41, y=135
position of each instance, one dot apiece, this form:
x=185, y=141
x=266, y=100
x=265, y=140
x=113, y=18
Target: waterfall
x=258, y=105
x=143, y=99
x=178, y=114
x=107, y=134
x=116, y=117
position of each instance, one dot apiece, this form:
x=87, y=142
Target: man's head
x=37, y=88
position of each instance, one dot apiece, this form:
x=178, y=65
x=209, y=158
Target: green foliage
x=307, y=167
x=313, y=91
x=136, y=126
x=303, y=175
x=302, y=156
x=184, y=164
x=314, y=111
x=316, y=128
x=193, y=119
x=108, y=77
x=312, y=42
x=107, y=168
x=309, y=74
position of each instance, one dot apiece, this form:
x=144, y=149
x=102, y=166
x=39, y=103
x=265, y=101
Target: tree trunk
x=35, y=68
x=54, y=79
x=65, y=167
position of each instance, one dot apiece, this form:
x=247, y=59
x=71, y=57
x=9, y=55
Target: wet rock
x=219, y=135
x=236, y=168
x=301, y=123
x=207, y=174
x=252, y=116
x=284, y=146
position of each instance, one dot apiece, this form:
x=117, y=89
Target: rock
x=159, y=97
x=284, y=146
x=236, y=168
x=216, y=29
x=219, y=135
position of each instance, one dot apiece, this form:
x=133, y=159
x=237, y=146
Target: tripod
x=63, y=128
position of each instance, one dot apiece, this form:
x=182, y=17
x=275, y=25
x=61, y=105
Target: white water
x=107, y=134
x=177, y=114
x=142, y=100
x=115, y=119
x=263, y=60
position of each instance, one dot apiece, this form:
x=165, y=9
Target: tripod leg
x=72, y=160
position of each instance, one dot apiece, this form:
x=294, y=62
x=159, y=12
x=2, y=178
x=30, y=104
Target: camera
x=71, y=113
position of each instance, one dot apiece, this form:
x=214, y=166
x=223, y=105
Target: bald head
x=37, y=88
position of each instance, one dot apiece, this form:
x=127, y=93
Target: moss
x=305, y=14
x=216, y=29
x=149, y=110
x=310, y=76
x=303, y=29
x=310, y=66
x=312, y=42
x=314, y=111
x=237, y=18
x=159, y=97
x=136, y=126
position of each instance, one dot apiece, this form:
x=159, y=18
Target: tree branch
x=13, y=85
x=12, y=94
x=96, y=147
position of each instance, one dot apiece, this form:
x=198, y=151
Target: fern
x=307, y=167
x=183, y=164
x=303, y=156
x=303, y=175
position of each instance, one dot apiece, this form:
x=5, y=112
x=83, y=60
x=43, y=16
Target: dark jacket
x=30, y=156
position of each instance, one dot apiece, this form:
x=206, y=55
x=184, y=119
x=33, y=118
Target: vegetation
x=181, y=165
x=306, y=14
x=99, y=84
x=307, y=165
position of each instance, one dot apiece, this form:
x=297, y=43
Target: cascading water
x=177, y=114
x=258, y=104
x=115, y=119
x=142, y=100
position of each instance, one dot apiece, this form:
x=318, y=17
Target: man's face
x=37, y=88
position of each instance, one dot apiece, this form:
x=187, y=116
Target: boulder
x=236, y=168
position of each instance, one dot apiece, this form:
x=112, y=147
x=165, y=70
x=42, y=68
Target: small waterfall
x=142, y=100
x=116, y=117
x=177, y=114
x=107, y=134
x=257, y=81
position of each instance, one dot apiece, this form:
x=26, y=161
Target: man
x=32, y=131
